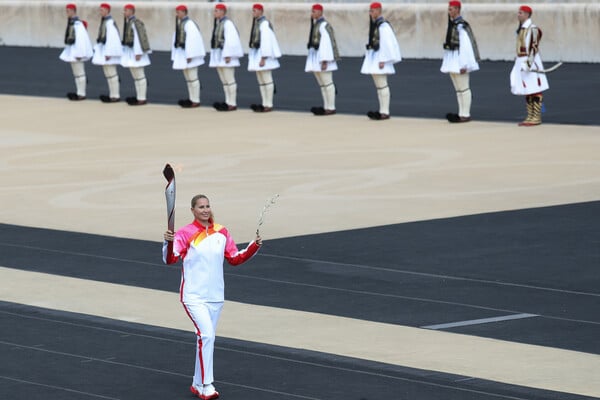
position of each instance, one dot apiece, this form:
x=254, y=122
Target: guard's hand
x=189, y=60
x=463, y=71
x=262, y=62
x=258, y=240
x=169, y=236
x=381, y=65
x=227, y=59
x=323, y=65
x=107, y=58
x=138, y=57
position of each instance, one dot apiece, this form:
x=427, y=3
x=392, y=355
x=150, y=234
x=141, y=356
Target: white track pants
x=325, y=81
x=383, y=92
x=463, y=93
x=141, y=84
x=193, y=84
x=205, y=317
x=266, y=86
x=227, y=77
x=78, y=69
x=112, y=77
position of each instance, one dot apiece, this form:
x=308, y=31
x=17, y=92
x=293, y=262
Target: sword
x=547, y=70
x=170, y=196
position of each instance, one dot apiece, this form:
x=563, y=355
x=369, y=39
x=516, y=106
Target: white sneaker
x=209, y=392
x=196, y=391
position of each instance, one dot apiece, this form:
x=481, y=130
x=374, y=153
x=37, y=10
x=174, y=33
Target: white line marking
x=480, y=321
x=422, y=299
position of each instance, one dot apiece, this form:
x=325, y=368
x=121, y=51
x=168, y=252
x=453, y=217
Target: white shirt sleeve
x=325, y=52
x=82, y=48
x=268, y=42
x=113, y=47
x=194, y=44
x=466, y=56
x=137, y=46
x=389, y=49
x=233, y=46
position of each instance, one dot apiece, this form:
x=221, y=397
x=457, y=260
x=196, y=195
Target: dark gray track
x=54, y=355
x=418, y=88
x=542, y=261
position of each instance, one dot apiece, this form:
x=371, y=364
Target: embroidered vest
x=314, y=36
x=128, y=35
x=217, y=40
x=452, y=37
x=255, y=32
x=180, y=32
x=374, y=34
x=102, y=30
x=531, y=48
x=70, y=32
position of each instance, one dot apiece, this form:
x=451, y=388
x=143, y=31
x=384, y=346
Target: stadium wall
x=570, y=30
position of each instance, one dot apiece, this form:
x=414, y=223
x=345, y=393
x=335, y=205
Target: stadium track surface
x=419, y=89
x=454, y=266
x=539, y=261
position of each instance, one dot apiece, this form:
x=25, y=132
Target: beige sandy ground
x=97, y=168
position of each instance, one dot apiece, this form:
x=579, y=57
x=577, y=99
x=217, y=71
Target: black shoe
x=254, y=107
x=130, y=100
x=318, y=110
x=258, y=107
x=227, y=107
x=136, y=102
x=106, y=99
x=188, y=104
x=374, y=115
x=220, y=106
x=451, y=117
x=74, y=96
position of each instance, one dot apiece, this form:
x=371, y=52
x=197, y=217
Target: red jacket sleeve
x=235, y=257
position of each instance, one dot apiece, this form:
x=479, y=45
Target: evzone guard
x=107, y=53
x=188, y=54
x=525, y=77
x=461, y=57
x=136, y=50
x=322, y=59
x=78, y=49
x=263, y=57
x=226, y=51
x=382, y=53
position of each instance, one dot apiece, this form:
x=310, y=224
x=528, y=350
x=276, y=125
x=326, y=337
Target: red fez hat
x=105, y=5
x=454, y=3
x=181, y=7
x=375, y=4
x=317, y=7
x=129, y=7
x=257, y=6
x=71, y=6
x=220, y=6
x=526, y=9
